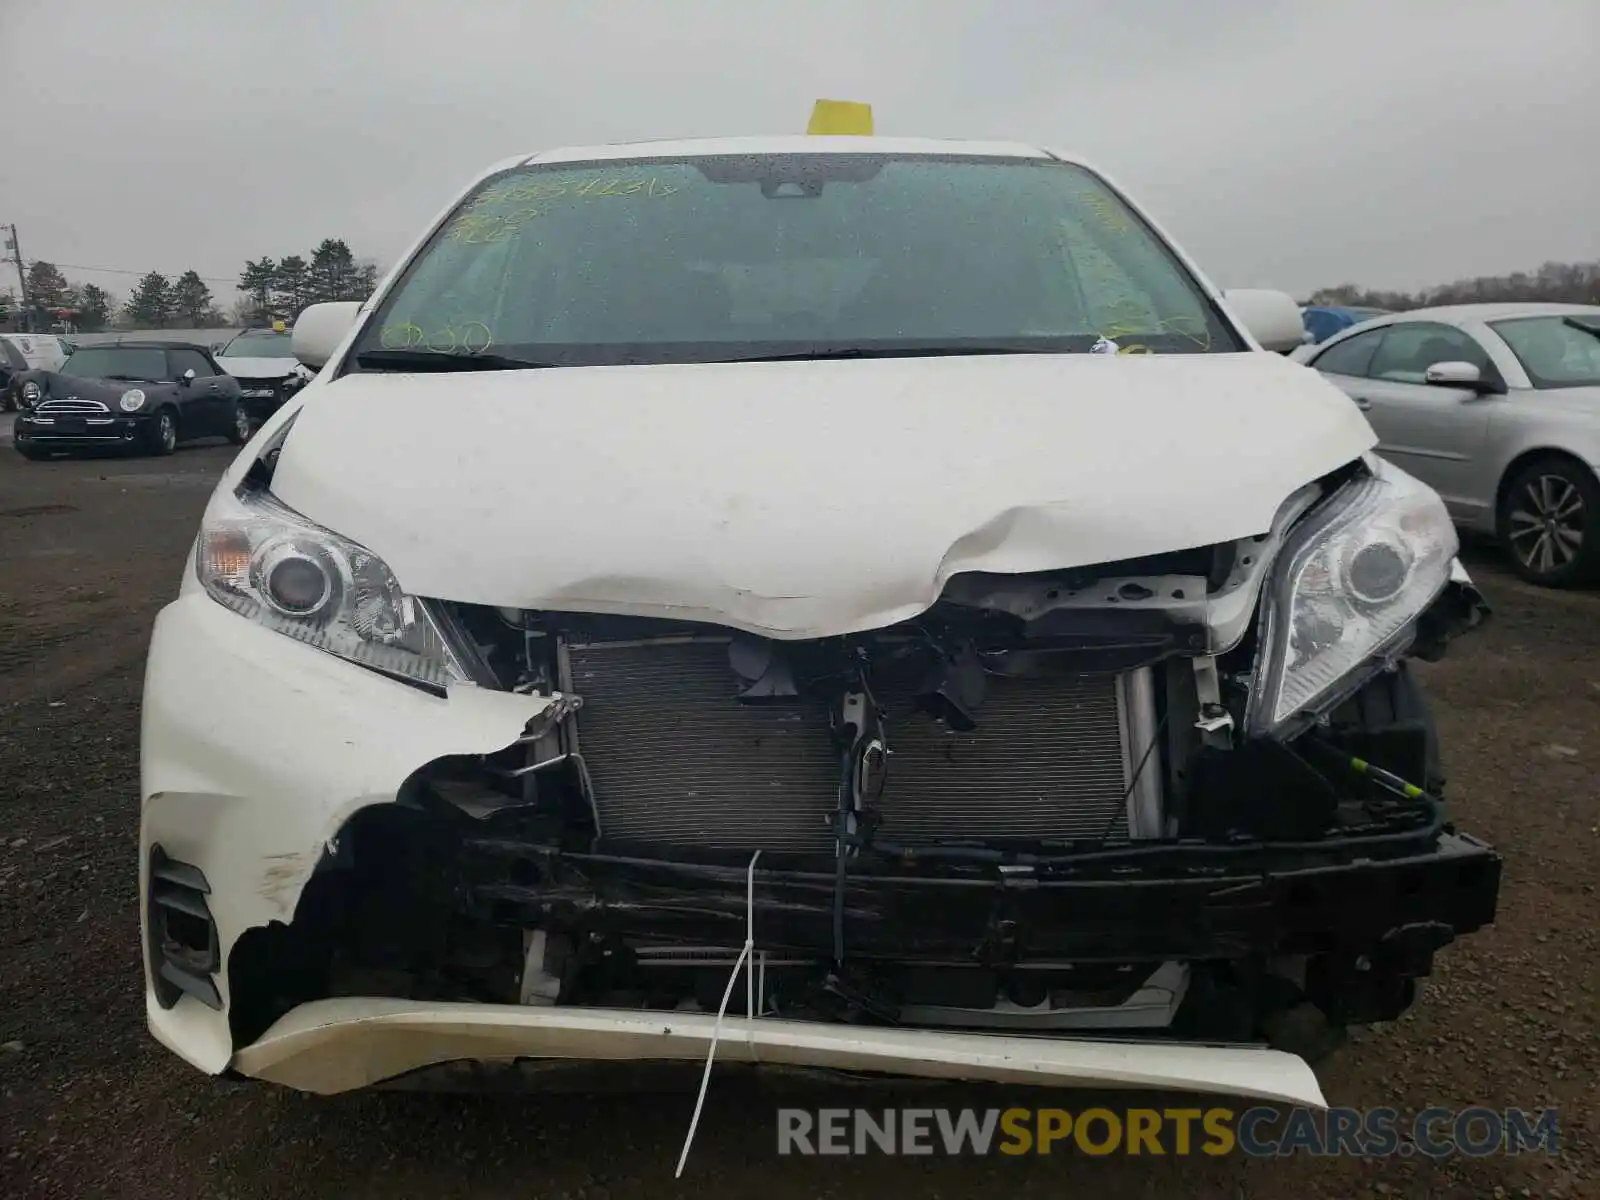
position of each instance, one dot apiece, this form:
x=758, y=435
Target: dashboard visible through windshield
x=801, y=255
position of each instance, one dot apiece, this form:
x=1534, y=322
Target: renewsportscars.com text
x=1258, y=1132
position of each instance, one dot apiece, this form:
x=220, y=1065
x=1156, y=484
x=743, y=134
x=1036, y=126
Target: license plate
x=258, y=393
x=70, y=425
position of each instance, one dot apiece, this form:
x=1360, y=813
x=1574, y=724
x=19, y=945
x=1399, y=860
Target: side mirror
x=1454, y=374
x=1272, y=318
x=320, y=329
x=188, y=376
x=218, y=347
x=1465, y=375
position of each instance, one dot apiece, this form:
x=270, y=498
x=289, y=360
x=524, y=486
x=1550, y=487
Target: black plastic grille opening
x=185, y=951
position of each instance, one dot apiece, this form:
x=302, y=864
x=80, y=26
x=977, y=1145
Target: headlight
x=1351, y=581
x=268, y=563
x=132, y=400
x=31, y=392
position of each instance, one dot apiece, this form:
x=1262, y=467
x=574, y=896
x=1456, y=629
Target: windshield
x=727, y=257
x=117, y=362
x=259, y=345
x=1556, y=352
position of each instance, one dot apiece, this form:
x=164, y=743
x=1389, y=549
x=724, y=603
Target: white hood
x=803, y=499
x=258, y=368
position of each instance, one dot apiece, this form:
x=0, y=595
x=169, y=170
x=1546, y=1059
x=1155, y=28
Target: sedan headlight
x=266, y=562
x=1346, y=591
x=132, y=400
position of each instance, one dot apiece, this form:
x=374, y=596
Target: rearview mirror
x=320, y=329
x=1454, y=374
x=1272, y=318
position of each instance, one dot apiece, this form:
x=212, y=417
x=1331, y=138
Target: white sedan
x=1497, y=407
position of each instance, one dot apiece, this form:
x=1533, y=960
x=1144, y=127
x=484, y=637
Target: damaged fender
x=324, y=740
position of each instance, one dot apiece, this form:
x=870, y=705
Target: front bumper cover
x=78, y=431
x=257, y=751
x=261, y=400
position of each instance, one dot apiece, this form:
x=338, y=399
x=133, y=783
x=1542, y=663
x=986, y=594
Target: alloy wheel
x=167, y=432
x=1546, y=523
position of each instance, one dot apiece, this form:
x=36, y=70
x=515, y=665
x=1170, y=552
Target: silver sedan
x=1497, y=406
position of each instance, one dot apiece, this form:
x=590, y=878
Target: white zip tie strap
x=745, y=955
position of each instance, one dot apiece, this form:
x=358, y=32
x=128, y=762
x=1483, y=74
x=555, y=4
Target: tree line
x=1566, y=283
x=272, y=290
x=48, y=291
x=156, y=302
x=280, y=289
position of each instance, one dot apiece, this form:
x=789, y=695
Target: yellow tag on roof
x=841, y=117
x=278, y=326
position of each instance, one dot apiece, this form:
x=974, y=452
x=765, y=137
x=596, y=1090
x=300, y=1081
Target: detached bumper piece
x=185, y=952
x=331, y=1046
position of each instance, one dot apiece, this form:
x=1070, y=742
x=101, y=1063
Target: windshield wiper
x=435, y=360
x=890, y=352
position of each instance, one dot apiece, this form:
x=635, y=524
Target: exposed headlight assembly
x=132, y=400
x=31, y=392
x=266, y=562
x=1348, y=587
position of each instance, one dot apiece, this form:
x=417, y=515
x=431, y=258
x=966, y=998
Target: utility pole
x=15, y=247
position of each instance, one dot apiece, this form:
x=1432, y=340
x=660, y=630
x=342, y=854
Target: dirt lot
x=89, y=1106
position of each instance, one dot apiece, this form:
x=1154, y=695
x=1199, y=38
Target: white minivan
x=868, y=601
x=41, y=351
x=22, y=352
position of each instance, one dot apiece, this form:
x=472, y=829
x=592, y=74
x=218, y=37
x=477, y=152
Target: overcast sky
x=1287, y=143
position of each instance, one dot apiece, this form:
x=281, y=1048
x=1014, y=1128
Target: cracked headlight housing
x=268, y=563
x=1346, y=593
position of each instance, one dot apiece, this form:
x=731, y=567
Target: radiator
x=675, y=759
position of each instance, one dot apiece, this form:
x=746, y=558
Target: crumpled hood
x=803, y=499
x=258, y=368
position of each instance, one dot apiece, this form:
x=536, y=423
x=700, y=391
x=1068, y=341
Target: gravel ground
x=90, y=1106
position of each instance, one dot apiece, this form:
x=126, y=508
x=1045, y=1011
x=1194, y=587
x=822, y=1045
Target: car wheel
x=164, y=433
x=1547, y=522
x=240, y=433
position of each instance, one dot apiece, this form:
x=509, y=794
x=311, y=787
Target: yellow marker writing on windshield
x=461, y=337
